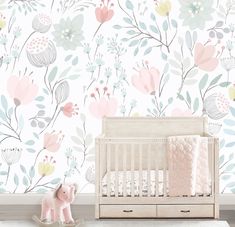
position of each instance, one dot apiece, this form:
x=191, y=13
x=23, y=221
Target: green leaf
x=30, y=142
x=133, y=43
x=52, y=74
x=170, y=100
x=2, y=115
x=153, y=17
x=232, y=110
x=88, y=140
x=21, y=123
x=75, y=61
x=196, y=105
x=68, y=57
x=39, y=98
x=16, y=180
x=154, y=29
x=230, y=185
x=22, y=168
x=4, y=102
x=76, y=140
x=25, y=181
x=188, y=40
x=230, y=167
x=3, y=173
x=174, y=23
x=40, y=106
x=221, y=160
x=224, y=84
x=136, y=51
x=131, y=32
x=127, y=20
x=32, y=172
x=203, y=81
x=65, y=72
x=181, y=97
x=215, y=80
x=73, y=77
x=129, y=5
x=41, y=190
x=117, y=26
x=188, y=98
x=142, y=25
x=55, y=181
x=144, y=43
x=165, y=26
x=148, y=50
x=31, y=150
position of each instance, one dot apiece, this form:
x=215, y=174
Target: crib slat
x=132, y=170
x=116, y=171
x=156, y=173
x=108, y=168
x=148, y=172
x=164, y=172
x=124, y=169
x=140, y=170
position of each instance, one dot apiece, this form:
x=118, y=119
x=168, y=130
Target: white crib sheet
x=136, y=183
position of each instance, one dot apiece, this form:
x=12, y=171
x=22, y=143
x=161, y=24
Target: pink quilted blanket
x=188, y=165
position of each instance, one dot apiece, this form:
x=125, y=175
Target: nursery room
x=117, y=113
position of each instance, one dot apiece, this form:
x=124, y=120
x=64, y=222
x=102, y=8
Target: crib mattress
x=136, y=175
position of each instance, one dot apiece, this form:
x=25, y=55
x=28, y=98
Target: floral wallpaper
x=66, y=64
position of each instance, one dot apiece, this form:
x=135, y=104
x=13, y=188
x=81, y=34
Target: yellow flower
x=2, y=21
x=46, y=167
x=163, y=8
x=231, y=92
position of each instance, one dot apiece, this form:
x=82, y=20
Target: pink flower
x=204, y=57
x=103, y=106
x=22, y=89
x=177, y=112
x=147, y=80
x=104, y=13
x=52, y=141
x=69, y=109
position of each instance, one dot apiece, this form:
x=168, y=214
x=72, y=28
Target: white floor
x=128, y=223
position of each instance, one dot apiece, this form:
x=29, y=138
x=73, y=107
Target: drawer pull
x=185, y=211
x=127, y=211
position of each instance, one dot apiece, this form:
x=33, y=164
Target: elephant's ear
x=57, y=190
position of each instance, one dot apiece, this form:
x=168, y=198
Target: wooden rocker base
x=54, y=224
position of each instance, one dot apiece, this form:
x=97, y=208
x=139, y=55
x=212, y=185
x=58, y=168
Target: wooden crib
x=134, y=150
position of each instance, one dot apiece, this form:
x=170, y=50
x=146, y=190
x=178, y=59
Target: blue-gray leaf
x=203, y=81
x=25, y=181
x=127, y=20
x=117, y=26
x=174, y=23
x=55, y=181
x=30, y=142
x=229, y=131
x=165, y=26
x=39, y=98
x=232, y=110
x=229, y=122
x=4, y=102
x=32, y=172
x=22, y=168
x=75, y=61
x=129, y=5
x=16, y=180
x=136, y=51
x=230, y=144
x=133, y=43
x=31, y=150
x=144, y=43
x=154, y=29
x=188, y=40
x=148, y=50
x=52, y=74
x=195, y=104
x=142, y=25
x=68, y=57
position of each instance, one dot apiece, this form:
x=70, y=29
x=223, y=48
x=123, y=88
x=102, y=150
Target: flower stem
x=45, y=79
x=37, y=156
x=8, y=173
x=25, y=43
x=97, y=31
x=17, y=125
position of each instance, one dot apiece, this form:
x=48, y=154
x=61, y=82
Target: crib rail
x=145, y=161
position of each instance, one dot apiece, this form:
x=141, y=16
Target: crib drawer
x=127, y=211
x=185, y=211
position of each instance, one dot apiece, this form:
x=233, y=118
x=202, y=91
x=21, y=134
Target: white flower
x=11, y=155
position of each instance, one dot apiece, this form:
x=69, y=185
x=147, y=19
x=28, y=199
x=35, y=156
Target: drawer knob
x=185, y=211
x=127, y=211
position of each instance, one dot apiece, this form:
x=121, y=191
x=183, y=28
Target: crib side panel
x=152, y=127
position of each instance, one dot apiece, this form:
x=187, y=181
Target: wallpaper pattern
x=64, y=64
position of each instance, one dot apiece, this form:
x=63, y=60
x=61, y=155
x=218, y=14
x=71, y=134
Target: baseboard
x=21, y=206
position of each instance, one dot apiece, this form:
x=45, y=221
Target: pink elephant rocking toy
x=56, y=205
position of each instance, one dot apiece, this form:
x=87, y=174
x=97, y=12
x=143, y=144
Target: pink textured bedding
x=188, y=165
